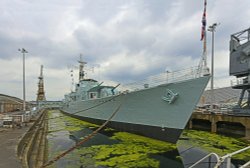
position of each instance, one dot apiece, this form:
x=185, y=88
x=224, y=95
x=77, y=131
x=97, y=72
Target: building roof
x=7, y=98
x=221, y=95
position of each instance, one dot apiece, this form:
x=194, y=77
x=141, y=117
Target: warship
x=158, y=107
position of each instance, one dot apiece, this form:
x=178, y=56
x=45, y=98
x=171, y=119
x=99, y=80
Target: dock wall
x=215, y=118
x=31, y=147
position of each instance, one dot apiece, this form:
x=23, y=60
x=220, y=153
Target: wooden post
x=190, y=124
x=213, y=124
x=247, y=132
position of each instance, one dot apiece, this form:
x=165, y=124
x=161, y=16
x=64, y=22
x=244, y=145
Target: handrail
x=228, y=157
x=220, y=160
x=236, y=152
x=245, y=165
x=164, y=78
x=210, y=154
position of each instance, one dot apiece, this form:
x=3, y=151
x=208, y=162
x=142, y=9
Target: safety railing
x=229, y=156
x=164, y=78
x=206, y=157
x=221, y=160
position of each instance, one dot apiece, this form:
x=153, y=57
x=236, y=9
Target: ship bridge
x=101, y=91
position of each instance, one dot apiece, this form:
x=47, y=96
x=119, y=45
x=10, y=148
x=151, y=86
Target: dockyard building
x=10, y=104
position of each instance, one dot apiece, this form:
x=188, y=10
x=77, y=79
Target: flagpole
x=205, y=49
x=203, y=64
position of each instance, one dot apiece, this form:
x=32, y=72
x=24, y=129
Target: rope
x=31, y=131
x=84, y=140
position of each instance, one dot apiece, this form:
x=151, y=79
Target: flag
x=203, y=21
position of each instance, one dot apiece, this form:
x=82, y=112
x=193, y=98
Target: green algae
x=74, y=124
x=59, y=121
x=55, y=125
x=219, y=144
x=63, y=126
x=134, y=150
x=153, y=144
x=84, y=157
x=131, y=151
x=117, y=155
x=132, y=160
x=109, y=129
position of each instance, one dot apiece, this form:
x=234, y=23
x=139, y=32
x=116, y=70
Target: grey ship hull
x=144, y=112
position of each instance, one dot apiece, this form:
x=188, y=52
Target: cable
x=31, y=131
x=84, y=140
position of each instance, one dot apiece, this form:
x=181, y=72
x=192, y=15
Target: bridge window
x=92, y=95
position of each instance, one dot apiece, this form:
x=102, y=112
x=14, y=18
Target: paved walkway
x=9, y=139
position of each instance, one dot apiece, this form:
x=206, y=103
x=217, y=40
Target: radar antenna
x=72, y=80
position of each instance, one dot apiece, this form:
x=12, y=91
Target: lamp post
x=212, y=29
x=24, y=101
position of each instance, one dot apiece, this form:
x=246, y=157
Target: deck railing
x=221, y=160
x=164, y=78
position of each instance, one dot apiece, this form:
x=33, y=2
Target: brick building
x=10, y=104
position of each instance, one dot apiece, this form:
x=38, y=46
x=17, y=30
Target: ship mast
x=81, y=67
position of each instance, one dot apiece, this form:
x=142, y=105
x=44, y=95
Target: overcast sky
x=123, y=39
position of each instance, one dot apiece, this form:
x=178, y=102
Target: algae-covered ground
x=218, y=144
x=122, y=149
x=130, y=151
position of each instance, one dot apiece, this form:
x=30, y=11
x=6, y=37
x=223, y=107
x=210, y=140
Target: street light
x=24, y=101
x=212, y=29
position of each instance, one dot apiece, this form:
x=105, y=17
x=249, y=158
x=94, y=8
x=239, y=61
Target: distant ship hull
x=145, y=112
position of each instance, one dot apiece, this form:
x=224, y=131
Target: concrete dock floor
x=9, y=139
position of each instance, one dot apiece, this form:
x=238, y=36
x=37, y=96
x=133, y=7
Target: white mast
x=81, y=67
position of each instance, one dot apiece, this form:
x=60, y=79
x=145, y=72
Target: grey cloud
x=161, y=33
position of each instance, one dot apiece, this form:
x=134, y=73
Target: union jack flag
x=203, y=21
